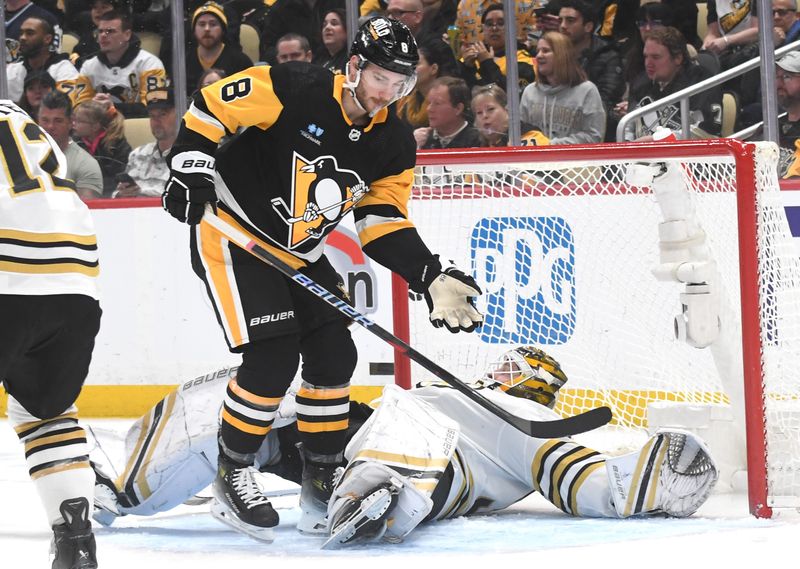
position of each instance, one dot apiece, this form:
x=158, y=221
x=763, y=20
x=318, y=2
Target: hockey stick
x=556, y=429
x=278, y=201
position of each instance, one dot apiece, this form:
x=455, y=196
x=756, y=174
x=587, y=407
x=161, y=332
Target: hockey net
x=564, y=250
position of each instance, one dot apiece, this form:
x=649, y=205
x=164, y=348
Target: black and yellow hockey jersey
x=300, y=165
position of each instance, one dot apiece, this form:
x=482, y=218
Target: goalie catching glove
x=190, y=186
x=451, y=297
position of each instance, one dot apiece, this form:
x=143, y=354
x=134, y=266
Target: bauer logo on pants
x=526, y=268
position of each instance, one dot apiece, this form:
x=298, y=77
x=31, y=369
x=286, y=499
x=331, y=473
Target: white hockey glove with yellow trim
x=451, y=301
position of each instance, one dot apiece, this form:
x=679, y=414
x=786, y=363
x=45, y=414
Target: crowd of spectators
x=581, y=66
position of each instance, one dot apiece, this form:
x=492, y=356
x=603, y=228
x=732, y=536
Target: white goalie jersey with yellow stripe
x=457, y=459
x=47, y=237
x=495, y=465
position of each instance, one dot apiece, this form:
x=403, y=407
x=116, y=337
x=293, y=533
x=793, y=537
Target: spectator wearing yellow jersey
x=469, y=18
x=484, y=62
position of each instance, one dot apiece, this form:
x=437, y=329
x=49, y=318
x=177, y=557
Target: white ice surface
x=530, y=534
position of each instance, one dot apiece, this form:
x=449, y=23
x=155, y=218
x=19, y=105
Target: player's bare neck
x=353, y=110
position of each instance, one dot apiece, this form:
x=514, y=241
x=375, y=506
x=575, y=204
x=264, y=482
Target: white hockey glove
x=359, y=191
x=311, y=213
x=450, y=298
x=190, y=186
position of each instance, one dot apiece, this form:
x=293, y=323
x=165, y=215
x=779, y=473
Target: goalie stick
x=556, y=429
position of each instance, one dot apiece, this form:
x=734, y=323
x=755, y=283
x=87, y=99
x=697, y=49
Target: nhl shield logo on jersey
x=322, y=193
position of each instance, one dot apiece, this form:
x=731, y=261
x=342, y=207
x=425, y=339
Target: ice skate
x=361, y=519
x=106, y=498
x=316, y=488
x=73, y=544
x=240, y=502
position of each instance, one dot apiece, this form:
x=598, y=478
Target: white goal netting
x=564, y=250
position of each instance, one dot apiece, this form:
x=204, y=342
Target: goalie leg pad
x=169, y=485
x=428, y=436
x=673, y=474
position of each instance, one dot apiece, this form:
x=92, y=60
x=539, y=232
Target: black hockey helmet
x=386, y=43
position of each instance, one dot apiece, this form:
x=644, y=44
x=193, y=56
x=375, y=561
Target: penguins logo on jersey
x=322, y=193
x=12, y=50
x=667, y=117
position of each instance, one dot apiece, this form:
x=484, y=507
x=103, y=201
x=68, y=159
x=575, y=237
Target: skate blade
x=221, y=513
x=103, y=517
x=372, y=508
x=198, y=500
x=312, y=521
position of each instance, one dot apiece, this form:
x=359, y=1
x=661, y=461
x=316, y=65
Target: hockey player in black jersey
x=283, y=120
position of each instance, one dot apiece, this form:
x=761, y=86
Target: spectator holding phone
x=147, y=170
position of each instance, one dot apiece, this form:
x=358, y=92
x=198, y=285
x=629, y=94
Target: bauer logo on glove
x=190, y=186
x=451, y=301
x=193, y=162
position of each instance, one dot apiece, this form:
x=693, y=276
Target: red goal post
x=563, y=247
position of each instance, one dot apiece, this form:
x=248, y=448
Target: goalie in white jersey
x=48, y=302
x=428, y=453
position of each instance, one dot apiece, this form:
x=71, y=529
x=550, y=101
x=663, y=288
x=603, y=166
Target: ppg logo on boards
x=526, y=268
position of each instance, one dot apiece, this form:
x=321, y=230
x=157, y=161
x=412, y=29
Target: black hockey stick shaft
x=558, y=428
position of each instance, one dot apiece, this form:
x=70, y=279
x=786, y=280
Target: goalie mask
x=529, y=373
x=388, y=44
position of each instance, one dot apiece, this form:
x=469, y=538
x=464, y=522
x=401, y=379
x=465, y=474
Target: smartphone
x=124, y=178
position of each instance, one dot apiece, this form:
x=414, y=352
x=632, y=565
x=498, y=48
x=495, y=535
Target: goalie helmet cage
x=564, y=250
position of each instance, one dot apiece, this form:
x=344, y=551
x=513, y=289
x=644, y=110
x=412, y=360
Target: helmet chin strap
x=351, y=86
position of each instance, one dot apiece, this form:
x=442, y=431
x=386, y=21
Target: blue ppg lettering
x=526, y=268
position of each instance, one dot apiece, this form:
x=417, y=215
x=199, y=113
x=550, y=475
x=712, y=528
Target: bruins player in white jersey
x=51, y=315
x=426, y=454
x=314, y=147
